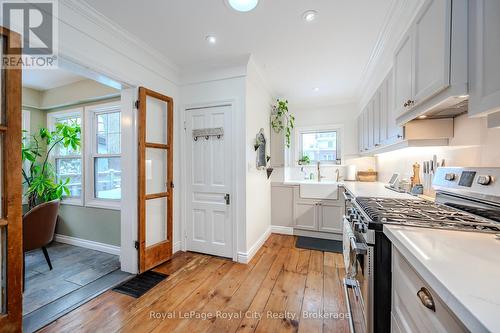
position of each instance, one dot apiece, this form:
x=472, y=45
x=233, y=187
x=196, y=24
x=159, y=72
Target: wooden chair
x=39, y=225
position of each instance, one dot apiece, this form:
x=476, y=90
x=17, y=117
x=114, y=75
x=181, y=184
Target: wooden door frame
x=165, y=247
x=11, y=321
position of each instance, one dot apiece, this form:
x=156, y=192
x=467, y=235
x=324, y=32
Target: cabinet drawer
x=409, y=313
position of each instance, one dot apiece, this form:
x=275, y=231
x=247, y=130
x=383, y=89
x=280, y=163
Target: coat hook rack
x=208, y=132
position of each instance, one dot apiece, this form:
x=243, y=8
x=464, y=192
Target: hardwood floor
x=210, y=294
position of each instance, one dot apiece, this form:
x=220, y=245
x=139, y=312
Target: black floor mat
x=139, y=285
x=319, y=244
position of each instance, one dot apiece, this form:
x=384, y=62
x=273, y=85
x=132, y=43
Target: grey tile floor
x=73, y=268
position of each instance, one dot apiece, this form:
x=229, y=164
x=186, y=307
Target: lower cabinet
x=317, y=215
x=415, y=306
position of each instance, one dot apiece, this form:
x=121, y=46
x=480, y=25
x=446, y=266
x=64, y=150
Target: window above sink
x=320, y=144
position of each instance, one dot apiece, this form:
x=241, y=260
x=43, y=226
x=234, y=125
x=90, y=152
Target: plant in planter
x=304, y=160
x=39, y=174
x=282, y=120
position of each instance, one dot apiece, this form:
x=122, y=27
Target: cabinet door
x=330, y=217
x=376, y=119
x=383, y=112
x=484, y=51
x=282, y=205
x=277, y=149
x=394, y=132
x=431, y=50
x=402, y=74
x=365, y=130
x=371, y=128
x=360, y=133
x=305, y=216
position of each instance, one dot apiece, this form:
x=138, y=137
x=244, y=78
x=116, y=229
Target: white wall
x=473, y=145
x=343, y=116
x=232, y=89
x=258, y=187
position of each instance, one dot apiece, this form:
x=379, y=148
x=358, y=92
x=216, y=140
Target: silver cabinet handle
x=426, y=299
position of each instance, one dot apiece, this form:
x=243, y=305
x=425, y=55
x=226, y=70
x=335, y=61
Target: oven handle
x=354, y=284
x=347, y=196
x=358, y=247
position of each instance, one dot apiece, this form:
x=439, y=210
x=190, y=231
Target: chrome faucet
x=319, y=172
x=337, y=174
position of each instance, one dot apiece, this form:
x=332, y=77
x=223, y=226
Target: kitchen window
x=67, y=161
x=104, y=155
x=320, y=145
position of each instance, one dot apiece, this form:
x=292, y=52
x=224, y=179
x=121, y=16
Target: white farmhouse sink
x=319, y=190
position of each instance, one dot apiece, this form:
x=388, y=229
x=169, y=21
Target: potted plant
x=40, y=181
x=282, y=120
x=304, y=160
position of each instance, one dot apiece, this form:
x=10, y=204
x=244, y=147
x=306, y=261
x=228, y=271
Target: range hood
x=450, y=107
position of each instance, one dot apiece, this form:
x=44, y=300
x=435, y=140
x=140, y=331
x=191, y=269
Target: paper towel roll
x=351, y=172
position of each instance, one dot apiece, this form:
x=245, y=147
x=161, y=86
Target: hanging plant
x=282, y=120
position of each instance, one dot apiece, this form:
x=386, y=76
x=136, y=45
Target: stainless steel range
x=467, y=200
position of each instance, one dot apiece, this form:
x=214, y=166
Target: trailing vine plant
x=282, y=120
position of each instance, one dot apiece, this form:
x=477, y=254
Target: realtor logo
x=36, y=23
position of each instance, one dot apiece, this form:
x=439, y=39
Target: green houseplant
x=304, y=160
x=282, y=120
x=40, y=181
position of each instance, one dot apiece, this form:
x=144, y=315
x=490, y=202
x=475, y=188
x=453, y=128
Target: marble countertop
x=462, y=267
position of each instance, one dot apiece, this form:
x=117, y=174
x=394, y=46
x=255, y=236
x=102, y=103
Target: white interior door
x=209, y=178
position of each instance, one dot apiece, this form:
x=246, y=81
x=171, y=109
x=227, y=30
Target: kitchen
x=430, y=130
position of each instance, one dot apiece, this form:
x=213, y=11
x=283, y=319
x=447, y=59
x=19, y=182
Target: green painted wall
x=98, y=225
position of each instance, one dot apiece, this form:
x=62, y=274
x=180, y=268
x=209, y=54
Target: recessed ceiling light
x=242, y=5
x=310, y=16
x=422, y=116
x=316, y=89
x=211, y=39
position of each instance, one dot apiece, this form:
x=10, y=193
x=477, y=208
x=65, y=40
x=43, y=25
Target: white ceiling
x=44, y=79
x=295, y=57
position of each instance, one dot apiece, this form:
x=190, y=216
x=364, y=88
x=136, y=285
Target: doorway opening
x=72, y=142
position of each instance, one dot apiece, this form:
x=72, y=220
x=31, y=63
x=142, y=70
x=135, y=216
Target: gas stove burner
x=423, y=213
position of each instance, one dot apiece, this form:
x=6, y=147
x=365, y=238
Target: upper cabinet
x=431, y=51
x=430, y=63
x=484, y=56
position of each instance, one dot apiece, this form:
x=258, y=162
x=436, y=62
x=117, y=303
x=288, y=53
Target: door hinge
x=136, y=104
x=136, y=245
x=185, y=125
x=171, y=184
x=227, y=197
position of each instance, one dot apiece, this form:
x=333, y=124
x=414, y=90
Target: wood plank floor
x=283, y=289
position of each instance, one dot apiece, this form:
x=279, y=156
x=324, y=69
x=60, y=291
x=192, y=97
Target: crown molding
x=396, y=23
x=88, y=12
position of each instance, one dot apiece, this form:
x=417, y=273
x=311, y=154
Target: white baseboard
x=111, y=249
x=276, y=229
x=245, y=257
x=177, y=247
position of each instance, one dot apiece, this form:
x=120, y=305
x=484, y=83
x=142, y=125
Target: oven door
x=356, y=281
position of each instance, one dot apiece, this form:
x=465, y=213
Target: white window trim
x=319, y=128
x=90, y=154
x=51, y=120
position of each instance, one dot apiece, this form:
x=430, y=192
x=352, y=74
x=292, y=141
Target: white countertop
x=463, y=268
x=374, y=189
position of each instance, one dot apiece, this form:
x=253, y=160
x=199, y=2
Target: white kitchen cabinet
x=484, y=56
x=365, y=130
x=277, y=148
x=431, y=50
x=371, y=128
x=384, y=111
x=402, y=74
x=323, y=216
x=395, y=132
x=330, y=217
x=409, y=293
x=306, y=215
x=281, y=205
x=360, y=133
x=376, y=120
